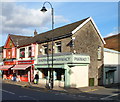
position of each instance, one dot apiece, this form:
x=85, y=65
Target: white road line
x=91, y=97
x=104, y=98
x=27, y=97
x=81, y=96
x=7, y=91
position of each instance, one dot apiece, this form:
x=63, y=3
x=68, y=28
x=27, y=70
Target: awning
x=20, y=67
x=5, y=67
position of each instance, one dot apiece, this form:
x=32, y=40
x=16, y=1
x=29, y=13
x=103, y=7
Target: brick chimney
x=35, y=32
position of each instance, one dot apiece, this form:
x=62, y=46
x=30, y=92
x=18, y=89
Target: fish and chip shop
x=69, y=70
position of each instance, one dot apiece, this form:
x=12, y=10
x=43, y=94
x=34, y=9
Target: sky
x=22, y=18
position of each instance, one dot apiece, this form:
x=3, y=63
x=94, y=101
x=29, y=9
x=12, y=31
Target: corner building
x=77, y=55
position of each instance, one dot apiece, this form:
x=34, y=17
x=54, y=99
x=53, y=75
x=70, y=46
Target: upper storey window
x=58, y=47
x=22, y=52
x=30, y=51
x=99, y=52
x=45, y=47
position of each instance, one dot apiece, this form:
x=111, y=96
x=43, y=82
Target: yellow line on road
x=90, y=90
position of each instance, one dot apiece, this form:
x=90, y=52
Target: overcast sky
x=23, y=18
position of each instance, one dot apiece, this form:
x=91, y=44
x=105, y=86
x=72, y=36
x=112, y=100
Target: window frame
x=99, y=53
x=21, y=52
x=58, y=47
x=45, y=49
x=29, y=51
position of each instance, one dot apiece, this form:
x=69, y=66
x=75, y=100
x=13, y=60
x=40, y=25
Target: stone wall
x=87, y=41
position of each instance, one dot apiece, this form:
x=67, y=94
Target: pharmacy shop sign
x=64, y=59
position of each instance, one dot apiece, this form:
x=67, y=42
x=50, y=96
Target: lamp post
x=51, y=70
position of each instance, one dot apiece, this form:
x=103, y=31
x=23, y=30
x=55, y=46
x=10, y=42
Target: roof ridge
x=19, y=35
x=65, y=25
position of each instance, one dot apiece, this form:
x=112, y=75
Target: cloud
x=18, y=19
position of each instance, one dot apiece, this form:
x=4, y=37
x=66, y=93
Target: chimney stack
x=35, y=32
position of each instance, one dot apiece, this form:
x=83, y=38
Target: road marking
x=104, y=98
x=28, y=97
x=91, y=97
x=7, y=91
x=81, y=96
x=90, y=90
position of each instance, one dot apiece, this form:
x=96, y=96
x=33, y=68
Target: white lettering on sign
x=55, y=59
x=65, y=59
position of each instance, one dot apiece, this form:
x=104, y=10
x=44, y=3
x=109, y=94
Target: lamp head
x=43, y=9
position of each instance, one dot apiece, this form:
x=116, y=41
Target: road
x=14, y=92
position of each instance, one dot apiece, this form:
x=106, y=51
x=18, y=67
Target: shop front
x=111, y=74
x=69, y=70
x=24, y=70
x=6, y=69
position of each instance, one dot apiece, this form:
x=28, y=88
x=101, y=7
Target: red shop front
x=6, y=71
x=25, y=70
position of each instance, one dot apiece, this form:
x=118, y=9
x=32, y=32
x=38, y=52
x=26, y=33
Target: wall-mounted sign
x=72, y=58
x=26, y=62
x=9, y=62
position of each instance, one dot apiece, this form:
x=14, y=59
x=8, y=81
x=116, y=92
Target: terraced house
x=74, y=52
x=18, y=58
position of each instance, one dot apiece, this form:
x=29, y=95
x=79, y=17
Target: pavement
x=59, y=89
x=41, y=87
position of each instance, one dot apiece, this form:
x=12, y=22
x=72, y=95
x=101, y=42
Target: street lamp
x=51, y=70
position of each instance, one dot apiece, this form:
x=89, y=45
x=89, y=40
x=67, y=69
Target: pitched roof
x=112, y=42
x=17, y=39
x=60, y=32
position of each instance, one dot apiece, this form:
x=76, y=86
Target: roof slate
x=56, y=33
x=18, y=39
x=42, y=37
x=112, y=42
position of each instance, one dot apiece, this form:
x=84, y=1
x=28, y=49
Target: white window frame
x=57, y=45
x=20, y=53
x=99, y=52
x=44, y=47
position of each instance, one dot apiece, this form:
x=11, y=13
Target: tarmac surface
x=91, y=93
x=60, y=89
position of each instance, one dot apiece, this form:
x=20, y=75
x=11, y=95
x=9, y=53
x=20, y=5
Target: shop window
x=22, y=53
x=99, y=52
x=58, y=47
x=22, y=73
x=29, y=52
x=106, y=75
x=44, y=73
x=59, y=74
x=45, y=49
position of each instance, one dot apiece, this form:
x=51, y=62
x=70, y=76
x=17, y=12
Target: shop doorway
x=110, y=77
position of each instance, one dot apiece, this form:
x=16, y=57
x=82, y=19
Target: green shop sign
x=64, y=59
